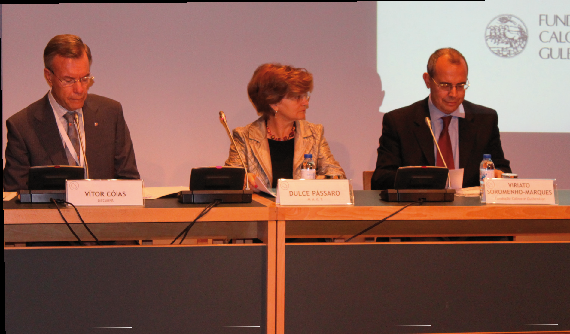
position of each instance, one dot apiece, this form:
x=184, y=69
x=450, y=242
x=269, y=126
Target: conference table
x=274, y=286
x=424, y=287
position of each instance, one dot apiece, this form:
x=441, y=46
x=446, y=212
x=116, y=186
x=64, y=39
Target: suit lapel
x=422, y=132
x=301, y=143
x=260, y=148
x=45, y=126
x=90, y=123
x=467, y=137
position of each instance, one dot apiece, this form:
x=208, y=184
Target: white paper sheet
x=8, y=195
x=158, y=192
x=468, y=192
x=261, y=187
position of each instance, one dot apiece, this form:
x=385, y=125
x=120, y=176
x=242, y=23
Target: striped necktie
x=72, y=134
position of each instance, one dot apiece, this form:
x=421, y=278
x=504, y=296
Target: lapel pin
x=96, y=124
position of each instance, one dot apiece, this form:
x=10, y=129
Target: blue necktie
x=72, y=134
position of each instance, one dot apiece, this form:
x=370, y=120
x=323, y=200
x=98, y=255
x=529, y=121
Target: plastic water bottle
x=486, y=171
x=308, y=168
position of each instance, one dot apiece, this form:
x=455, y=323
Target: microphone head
x=222, y=117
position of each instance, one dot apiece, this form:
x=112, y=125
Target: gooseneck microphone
x=428, y=122
x=76, y=122
x=225, y=124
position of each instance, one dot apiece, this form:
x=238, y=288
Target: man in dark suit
x=42, y=133
x=472, y=129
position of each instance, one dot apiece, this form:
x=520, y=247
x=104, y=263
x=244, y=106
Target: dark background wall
x=174, y=66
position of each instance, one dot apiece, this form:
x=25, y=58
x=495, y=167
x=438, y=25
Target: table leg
x=280, y=298
x=268, y=234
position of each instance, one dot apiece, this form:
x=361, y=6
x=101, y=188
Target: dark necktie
x=444, y=143
x=72, y=133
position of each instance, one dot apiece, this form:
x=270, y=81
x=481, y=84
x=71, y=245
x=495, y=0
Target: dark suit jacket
x=34, y=140
x=407, y=141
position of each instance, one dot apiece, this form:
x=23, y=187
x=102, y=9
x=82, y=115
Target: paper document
x=158, y=192
x=468, y=192
x=8, y=195
x=261, y=187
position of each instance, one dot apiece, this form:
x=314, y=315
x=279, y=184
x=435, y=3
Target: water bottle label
x=487, y=174
x=308, y=174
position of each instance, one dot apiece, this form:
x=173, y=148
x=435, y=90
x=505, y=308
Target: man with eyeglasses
x=68, y=126
x=471, y=130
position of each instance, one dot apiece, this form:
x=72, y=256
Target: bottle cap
x=486, y=157
x=310, y=156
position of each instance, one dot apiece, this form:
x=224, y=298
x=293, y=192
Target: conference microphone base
x=209, y=196
x=40, y=196
x=414, y=195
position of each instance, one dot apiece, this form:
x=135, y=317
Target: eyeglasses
x=448, y=87
x=70, y=82
x=300, y=97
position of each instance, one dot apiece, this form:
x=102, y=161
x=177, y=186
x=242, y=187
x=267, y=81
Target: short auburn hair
x=68, y=46
x=271, y=83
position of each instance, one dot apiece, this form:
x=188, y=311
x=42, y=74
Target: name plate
x=314, y=192
x=520, y=191
x=104, y=192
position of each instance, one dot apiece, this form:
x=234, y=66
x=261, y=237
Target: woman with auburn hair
x=274, y=145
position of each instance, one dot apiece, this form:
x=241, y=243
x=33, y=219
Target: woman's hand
x=252, y=184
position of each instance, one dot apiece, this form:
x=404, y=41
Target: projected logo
x=506, y=35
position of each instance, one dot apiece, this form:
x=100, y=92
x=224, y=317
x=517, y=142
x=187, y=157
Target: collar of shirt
x=60, y=111
x=436, y=116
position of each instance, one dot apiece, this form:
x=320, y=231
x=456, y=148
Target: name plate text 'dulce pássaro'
x=520, y=191
x=104, y=192
x=314, y=192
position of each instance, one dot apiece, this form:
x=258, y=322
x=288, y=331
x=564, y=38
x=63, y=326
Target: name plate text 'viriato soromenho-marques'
x=520, y=191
